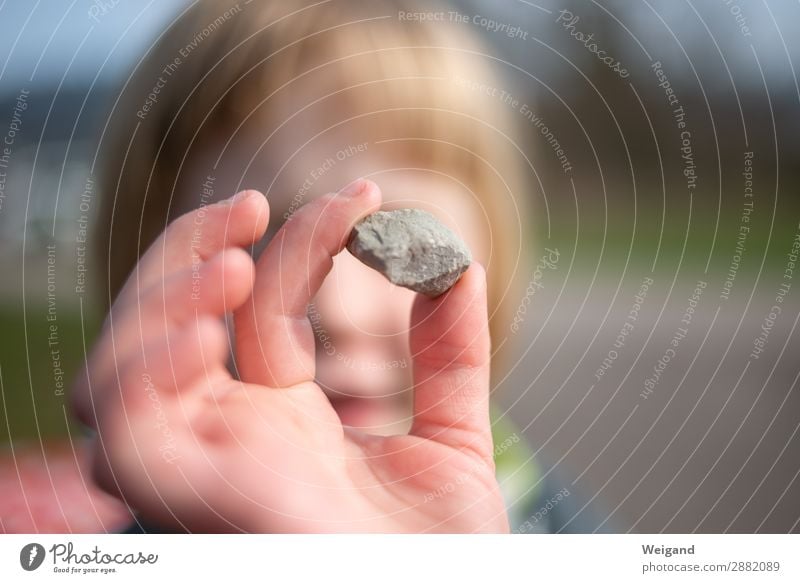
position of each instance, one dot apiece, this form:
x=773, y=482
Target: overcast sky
x=44, y=41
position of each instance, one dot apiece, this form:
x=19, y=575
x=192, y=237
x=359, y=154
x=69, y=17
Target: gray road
x=705, y=441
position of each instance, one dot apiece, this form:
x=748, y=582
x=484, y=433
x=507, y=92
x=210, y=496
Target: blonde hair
x=405, y=84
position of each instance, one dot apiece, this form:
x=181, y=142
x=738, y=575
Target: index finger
x=197, y=236
x=274, y=337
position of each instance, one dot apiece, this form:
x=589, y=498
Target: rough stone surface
x=412, y=249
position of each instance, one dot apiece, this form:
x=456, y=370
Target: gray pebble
x=412, y=249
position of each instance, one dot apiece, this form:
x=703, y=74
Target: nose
x=360, y=323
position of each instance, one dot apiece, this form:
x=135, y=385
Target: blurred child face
x=360, y=320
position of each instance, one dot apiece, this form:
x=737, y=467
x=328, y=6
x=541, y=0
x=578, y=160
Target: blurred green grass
x=30, y=407
x=676, y=241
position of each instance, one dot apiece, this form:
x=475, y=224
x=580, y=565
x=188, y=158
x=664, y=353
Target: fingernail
x=237, y=198
x=354, y=188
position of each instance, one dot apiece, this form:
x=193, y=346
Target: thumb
x=450, y=347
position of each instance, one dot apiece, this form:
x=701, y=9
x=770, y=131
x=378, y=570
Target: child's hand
x=189, y=446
